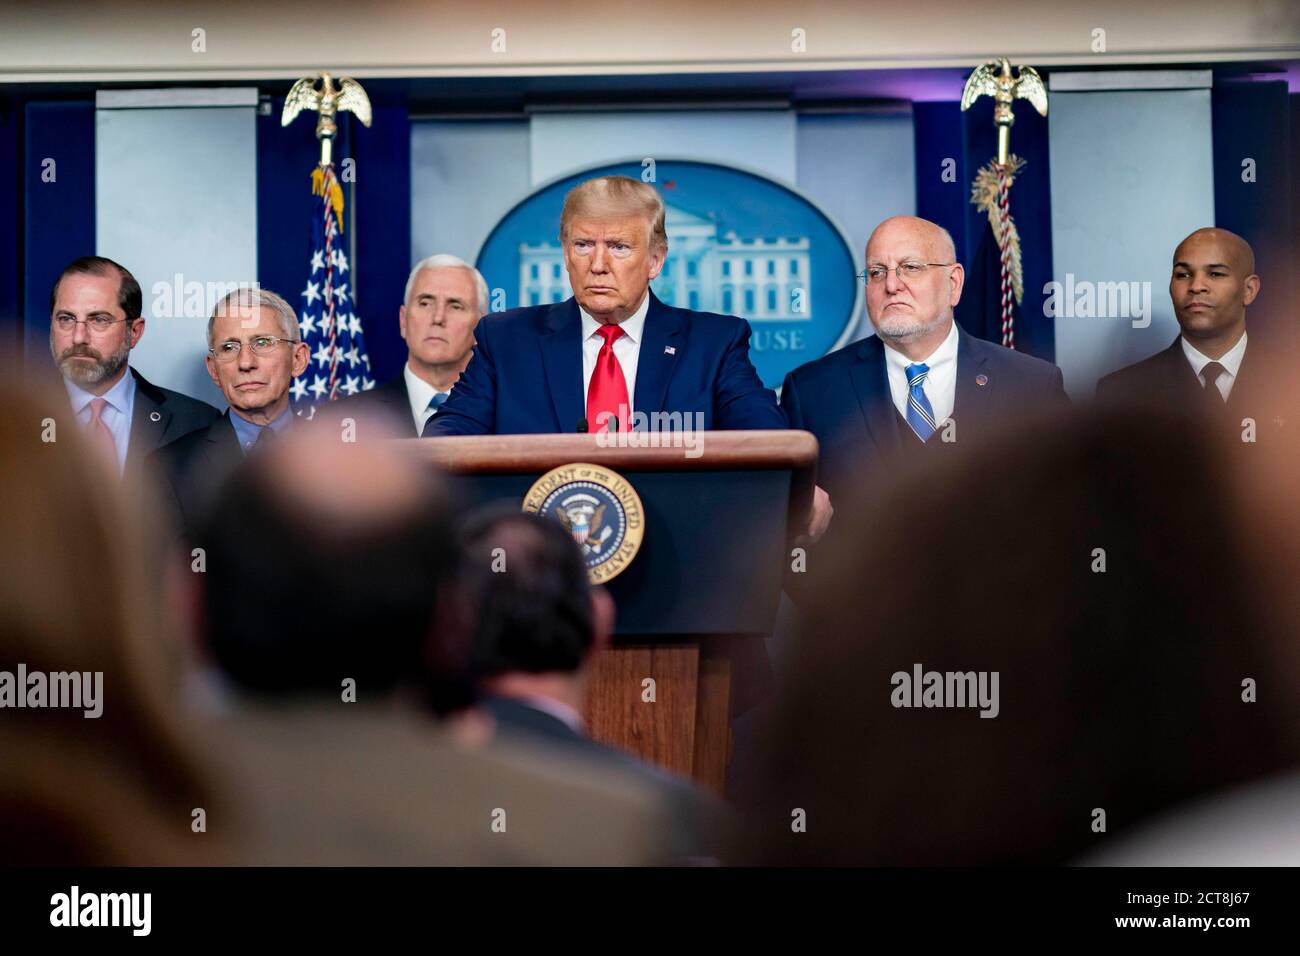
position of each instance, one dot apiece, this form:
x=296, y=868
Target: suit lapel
x=971, y=399
x=655, y=363
x=871, y=384
x=149, y=420
x=561, y=345
x=1180, y=379
x=222, y=444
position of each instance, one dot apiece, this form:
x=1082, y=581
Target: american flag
x=339, y=364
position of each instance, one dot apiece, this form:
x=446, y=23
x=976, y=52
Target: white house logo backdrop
x=738, y=243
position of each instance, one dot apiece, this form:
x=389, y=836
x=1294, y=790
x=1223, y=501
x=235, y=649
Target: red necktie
x=100, y=437
x=608, y=389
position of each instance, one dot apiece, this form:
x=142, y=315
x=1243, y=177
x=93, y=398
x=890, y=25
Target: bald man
x=1205, y=369
x=920, y=384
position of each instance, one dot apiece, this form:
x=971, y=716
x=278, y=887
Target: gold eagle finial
x=994, y=79
x=319, y=93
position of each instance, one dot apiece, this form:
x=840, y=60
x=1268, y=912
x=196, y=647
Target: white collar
x=633, y=326
x=418, y=389
x=944, y=352
x=1231, y=359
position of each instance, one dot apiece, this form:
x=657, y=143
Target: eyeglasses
x=261, y=345
x=904, y=271
x=96, y=323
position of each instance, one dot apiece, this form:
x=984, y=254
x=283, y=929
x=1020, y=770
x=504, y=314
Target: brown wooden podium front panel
x=685, y=728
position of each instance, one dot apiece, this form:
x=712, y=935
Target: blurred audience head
x=328, y=562
x=1102, y=571
x=535, y=609
x=110, y=776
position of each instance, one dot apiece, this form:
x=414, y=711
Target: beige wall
x=151, y=41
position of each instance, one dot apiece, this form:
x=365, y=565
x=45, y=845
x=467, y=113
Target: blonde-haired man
x=613, y=355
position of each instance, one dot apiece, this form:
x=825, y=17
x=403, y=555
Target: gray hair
x=253, y=297
x=445, y=261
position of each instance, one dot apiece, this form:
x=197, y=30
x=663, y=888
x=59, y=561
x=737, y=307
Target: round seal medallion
x=599, y=508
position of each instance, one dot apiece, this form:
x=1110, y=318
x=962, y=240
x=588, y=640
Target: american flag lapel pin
x=670, y=350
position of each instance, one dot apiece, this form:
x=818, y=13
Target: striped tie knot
x=916, y=374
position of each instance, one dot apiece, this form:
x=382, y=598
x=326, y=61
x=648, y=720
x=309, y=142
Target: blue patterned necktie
x=435, y=403
x=919, y=413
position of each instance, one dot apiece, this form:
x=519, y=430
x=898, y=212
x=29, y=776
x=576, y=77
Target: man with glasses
x=95, y=322
x=254, y=353
x=920, y=383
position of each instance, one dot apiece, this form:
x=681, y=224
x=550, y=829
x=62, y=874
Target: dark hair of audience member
x=80, y=592
x=328, y=563
x=525, y=580
x=1120, y=690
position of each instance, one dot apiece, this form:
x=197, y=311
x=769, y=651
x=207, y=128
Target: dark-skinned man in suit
x=1213, y=369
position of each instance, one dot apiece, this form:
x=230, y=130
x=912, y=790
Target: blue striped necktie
x=919, y=413
x=435, y=403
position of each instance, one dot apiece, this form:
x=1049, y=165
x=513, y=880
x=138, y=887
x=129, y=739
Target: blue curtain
x=944, y=133
x=1254, y=196
x=59, y=215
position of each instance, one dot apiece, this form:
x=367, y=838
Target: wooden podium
x=701, y=594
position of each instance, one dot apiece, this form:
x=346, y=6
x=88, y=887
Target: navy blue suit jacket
x=843, y=398
x=526, y=373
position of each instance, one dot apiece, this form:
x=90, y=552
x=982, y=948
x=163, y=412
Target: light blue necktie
x=919, y=413
x=435, y=403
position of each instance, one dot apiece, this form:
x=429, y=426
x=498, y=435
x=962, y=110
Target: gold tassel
x=984, y=194
x=336, y=193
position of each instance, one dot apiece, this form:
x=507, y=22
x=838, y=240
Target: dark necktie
x=265, y=439
x=1211, y=373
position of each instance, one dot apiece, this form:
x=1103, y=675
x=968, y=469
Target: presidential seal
x=599, y=508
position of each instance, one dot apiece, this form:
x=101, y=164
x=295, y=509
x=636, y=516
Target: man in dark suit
x=1208, y=370
x=920, y=383
x=254, y=353
x=95, y=320
x=613, y=357
x=445, y=298
x=538, y=624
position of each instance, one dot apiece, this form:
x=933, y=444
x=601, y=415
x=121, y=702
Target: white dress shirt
x=627, y=348
x=420, y=393
x=116, y=415
x=940, y=385
x=1231, y=363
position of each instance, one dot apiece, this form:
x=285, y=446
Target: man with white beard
x=921, y=383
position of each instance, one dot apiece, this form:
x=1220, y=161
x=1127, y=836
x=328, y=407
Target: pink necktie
x=100, y=436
